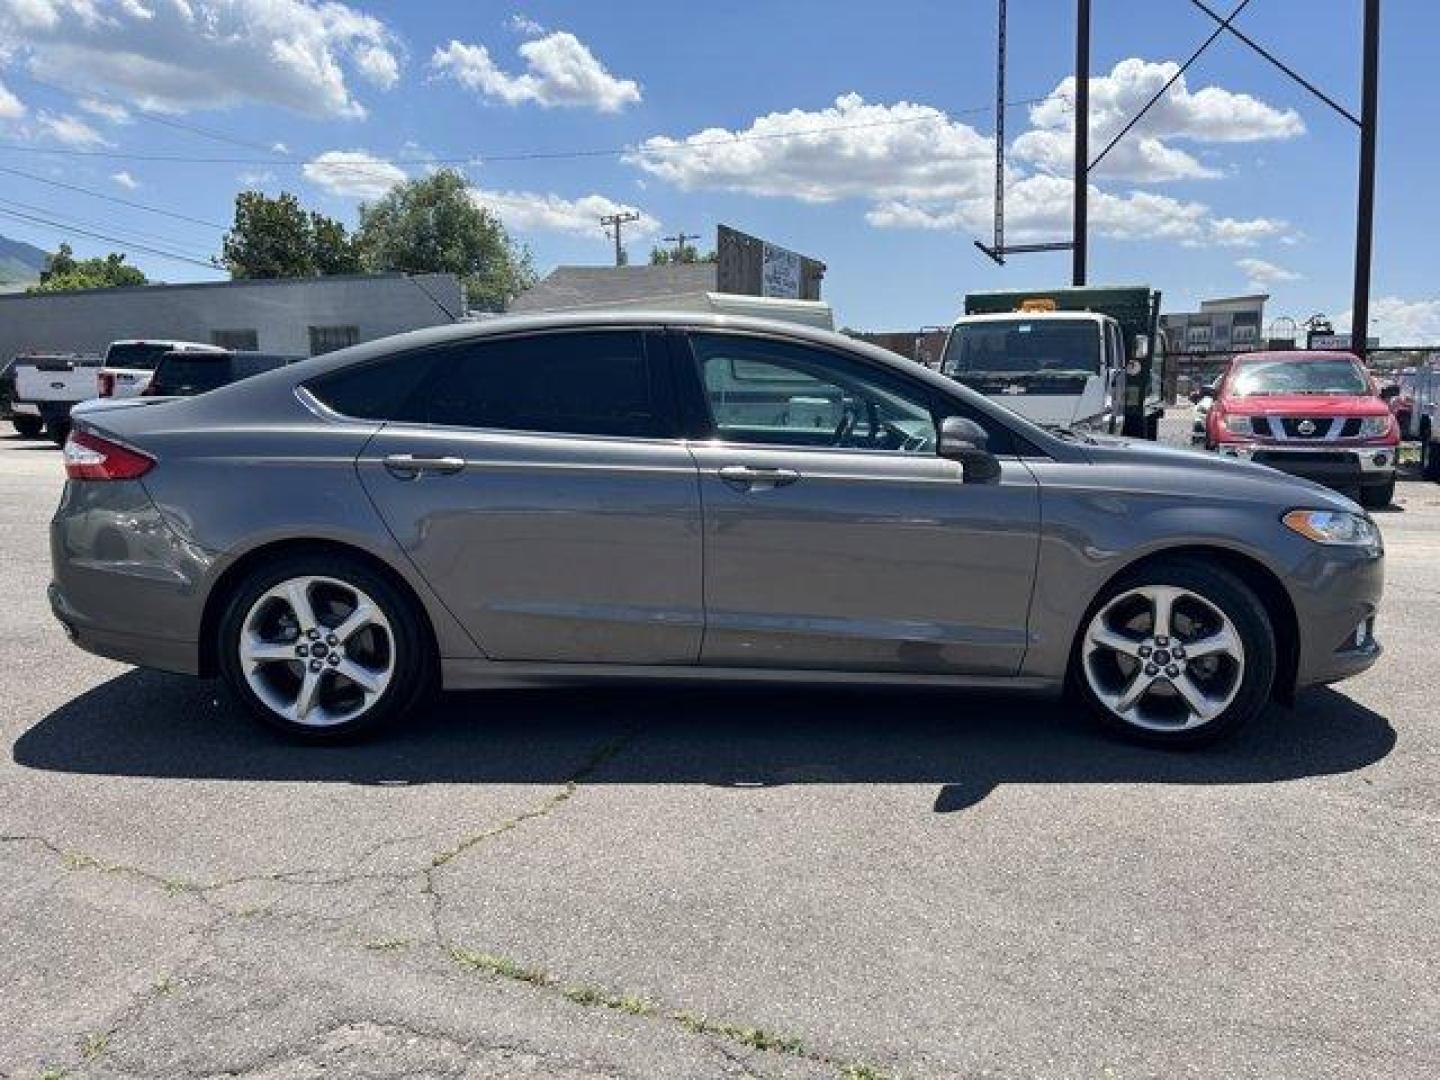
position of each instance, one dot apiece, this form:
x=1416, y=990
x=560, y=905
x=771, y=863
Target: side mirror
x=963, y=440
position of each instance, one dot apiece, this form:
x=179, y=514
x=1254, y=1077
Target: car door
x=835, y=538
x=539, y=484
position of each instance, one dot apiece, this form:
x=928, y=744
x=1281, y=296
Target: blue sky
x=1241, y=179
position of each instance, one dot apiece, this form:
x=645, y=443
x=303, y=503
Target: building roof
x=568, y=287
x=229, y=284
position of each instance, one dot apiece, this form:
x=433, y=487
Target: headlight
x=1334, y=527
x=1239, y=425
x=1372, y=427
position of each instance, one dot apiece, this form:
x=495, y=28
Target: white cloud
x=526, y=211
x=105, y=110
x=279, y=148
x=178, y=55
x=522, y=24
x=1261, y=275
x=560, y=71
x=11, y=107
x=1211, y=114
x=355, y=173
x=851, y=149
x=1039, y=208
x=1234, y=232
x=1396, y=321
x=70, y=130
x=255, y=179
x=125, y=180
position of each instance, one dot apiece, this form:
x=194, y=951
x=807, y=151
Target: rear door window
x=583, y=383
x=135, y=355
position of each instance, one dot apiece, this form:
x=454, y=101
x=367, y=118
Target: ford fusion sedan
x=699, y=497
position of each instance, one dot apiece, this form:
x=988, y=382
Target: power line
x=112, y=198
x=69, y=219
x=933, y=116
x=15, y=214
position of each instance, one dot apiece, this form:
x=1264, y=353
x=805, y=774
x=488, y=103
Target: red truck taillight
x=105, y=384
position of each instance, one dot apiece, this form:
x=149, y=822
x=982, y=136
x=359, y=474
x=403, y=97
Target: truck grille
x=1305, y=427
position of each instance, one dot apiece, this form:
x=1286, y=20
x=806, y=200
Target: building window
x=1197, y=338
x=236, y=340
x=1243, y=334
x=325, y=339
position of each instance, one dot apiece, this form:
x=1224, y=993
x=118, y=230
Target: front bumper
x=1334, y=465
x=1337, y=596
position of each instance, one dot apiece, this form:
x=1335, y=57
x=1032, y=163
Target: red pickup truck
x=1313, y=414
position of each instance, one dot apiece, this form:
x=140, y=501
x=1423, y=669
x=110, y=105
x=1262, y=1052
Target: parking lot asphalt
x=702, y=882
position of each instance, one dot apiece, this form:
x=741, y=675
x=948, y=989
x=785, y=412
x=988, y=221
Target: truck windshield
x=135, y=355
x=1337, y=376
x=1023, y=346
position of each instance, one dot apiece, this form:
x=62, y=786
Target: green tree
x=432, y=225
x=63, y=272
x=278, y=238
x=688, y=253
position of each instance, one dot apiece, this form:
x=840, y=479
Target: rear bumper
x=1332, y=465
x=124, y=584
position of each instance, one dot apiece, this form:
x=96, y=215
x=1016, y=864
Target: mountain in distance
x=20, y=263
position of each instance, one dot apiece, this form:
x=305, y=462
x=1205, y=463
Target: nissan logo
x=1306, y=427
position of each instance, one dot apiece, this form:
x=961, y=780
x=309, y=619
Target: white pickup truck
x=50, y=385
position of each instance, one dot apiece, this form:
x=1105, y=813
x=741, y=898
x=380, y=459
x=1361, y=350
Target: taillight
x=105, y=383
x=89, y=457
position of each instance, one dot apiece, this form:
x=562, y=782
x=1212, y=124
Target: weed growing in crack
x=93, y=1045
x=626, y=1003
x=54, y=1072
x=502, y=966
x=78, y=860
x=387, y=944
x=164, y=985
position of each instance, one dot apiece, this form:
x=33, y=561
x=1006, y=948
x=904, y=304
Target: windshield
x=1338, y=376
x=192, y=373
x=1023, y=346
x=135, y=355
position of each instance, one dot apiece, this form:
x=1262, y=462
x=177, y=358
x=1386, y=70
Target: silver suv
x=607, y=496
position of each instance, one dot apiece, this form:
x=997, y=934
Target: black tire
x=29, y=427
x=415, y=672
x=1378, y=496
x=58, y=430
x=1429, y=455
x=1246, y=613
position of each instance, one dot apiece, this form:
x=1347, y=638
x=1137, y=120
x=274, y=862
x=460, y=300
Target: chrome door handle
x=749, y=478
x=409, y=466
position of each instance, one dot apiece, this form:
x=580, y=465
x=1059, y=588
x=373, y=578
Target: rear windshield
x=194, y=372
x=1339, y=376
x=138, y=356
x=1023, y=346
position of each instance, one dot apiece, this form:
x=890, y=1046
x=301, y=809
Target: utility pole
x=613, y=224
x=1082, y=141
x=679, y=241
x=1365, y=197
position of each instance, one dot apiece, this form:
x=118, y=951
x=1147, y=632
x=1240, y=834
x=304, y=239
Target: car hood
x=1306, y=405
x=1145, y=466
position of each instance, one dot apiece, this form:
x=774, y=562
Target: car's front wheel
x=323, y=647
x=1176, y=653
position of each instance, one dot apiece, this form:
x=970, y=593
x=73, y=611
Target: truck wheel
x=58, y=430
x=28, y=426
x=1377, y=496
x=1429, y=456
x=1176, y=653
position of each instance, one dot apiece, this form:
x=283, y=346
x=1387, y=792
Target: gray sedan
x=622, y=496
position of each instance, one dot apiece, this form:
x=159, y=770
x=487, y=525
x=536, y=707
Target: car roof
x=1296, y=354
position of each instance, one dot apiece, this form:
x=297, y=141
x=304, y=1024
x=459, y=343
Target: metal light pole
x=1082, y=140
x=1365, y=196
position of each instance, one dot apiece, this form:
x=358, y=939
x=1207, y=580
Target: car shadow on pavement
x=148, y=724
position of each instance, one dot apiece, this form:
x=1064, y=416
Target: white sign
x=779, y=273
x=1340, y=342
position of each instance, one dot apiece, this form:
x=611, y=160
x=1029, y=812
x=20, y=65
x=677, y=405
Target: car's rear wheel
x=1177, y=653
x=28, y=426
x=1429, y=455
x=58, y=430
x=324, y=647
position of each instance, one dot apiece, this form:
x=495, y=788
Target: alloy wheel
x=1163, y=658
x=317, y=651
